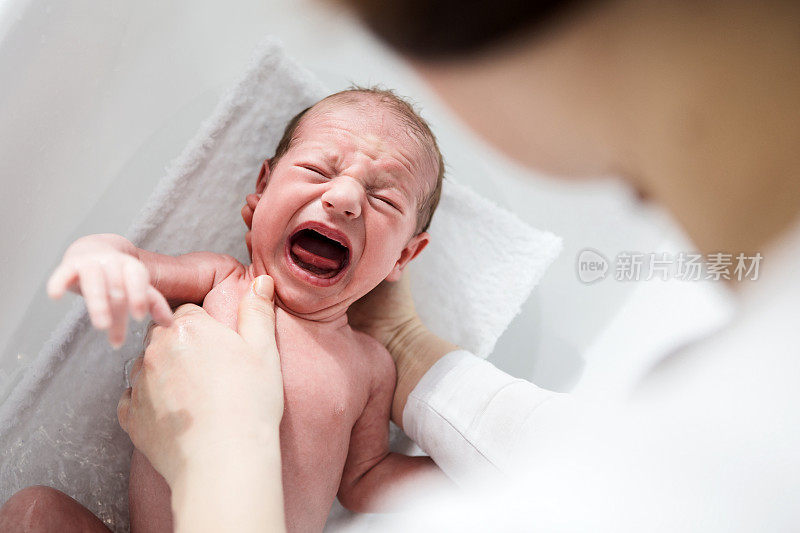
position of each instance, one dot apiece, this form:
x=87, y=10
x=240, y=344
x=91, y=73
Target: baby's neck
x=320, y=321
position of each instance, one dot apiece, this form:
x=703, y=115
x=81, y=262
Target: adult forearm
x=238, y=490
x=415, y=349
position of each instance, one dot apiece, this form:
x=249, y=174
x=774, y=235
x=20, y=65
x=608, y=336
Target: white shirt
x=708, y=441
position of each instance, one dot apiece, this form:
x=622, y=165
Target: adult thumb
x=257, y=316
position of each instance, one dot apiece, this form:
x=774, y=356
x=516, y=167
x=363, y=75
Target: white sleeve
x=706, y=443
x=473, y=418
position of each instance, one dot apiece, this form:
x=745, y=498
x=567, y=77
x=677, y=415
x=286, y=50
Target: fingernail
x=116, y=294
x=259, y=287
x=103, y=322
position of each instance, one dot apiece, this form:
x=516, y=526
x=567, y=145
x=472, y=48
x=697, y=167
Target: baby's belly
x=315, y=436
x=323, y=399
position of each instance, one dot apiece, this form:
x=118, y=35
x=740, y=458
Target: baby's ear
x=263, y=177
x=413, y=248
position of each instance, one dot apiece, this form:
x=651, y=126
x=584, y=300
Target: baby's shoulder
x=369, y=345
x=376, y=356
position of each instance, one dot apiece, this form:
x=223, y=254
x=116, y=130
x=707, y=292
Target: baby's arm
x=115, y=277
x=372, y=474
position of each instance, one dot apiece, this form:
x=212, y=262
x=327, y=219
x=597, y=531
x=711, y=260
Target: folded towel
x=58, y=426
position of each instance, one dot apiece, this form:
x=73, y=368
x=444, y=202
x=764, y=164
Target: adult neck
x=693, y=103
x=711, y=116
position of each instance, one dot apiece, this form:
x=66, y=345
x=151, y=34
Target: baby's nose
x=343, y=198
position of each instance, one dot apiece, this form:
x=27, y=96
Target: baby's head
x=346, y=200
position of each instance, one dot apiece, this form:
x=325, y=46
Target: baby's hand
x=112, y=282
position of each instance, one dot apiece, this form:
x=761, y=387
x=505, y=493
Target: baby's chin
x=315, y=303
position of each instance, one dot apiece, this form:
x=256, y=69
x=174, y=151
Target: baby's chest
x=324, y=376
x=322, y=382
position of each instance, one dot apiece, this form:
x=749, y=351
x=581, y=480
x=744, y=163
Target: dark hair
x=450, y=28
x=404, y=110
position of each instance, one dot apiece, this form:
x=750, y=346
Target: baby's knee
x=40, y=508
x=30, y=509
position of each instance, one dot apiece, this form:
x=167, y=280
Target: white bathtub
x=97, y=96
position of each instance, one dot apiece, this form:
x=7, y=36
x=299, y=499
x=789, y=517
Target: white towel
x=58, y=427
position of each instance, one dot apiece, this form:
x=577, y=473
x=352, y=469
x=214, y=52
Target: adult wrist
x=406, y=336
x=232, y=485
x=204, y=451
x=415, y=349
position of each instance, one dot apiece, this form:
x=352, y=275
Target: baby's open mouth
x=317, y=254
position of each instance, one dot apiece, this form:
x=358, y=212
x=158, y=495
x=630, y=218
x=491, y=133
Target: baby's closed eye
x=315, y=170
x=386, y=201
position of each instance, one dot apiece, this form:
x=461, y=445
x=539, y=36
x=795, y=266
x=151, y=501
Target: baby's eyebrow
x=324, y=157
x=383, y=183
x=331, y=158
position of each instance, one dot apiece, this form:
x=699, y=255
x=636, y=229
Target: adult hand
x=202, y=391
x=386, y=313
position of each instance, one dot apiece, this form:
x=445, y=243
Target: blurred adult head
x=693, y=103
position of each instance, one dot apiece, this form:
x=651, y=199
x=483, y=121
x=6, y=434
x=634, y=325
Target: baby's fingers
x=119, y=305
x=93, y=289
x=159, y=308
x=62, y=278
x=136, y=281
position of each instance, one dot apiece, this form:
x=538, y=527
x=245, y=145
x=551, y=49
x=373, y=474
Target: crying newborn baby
x=343, y=205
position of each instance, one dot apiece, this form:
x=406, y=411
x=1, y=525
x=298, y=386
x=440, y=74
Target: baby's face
x=339, y=211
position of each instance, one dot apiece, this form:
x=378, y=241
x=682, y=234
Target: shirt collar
x=778, y=271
